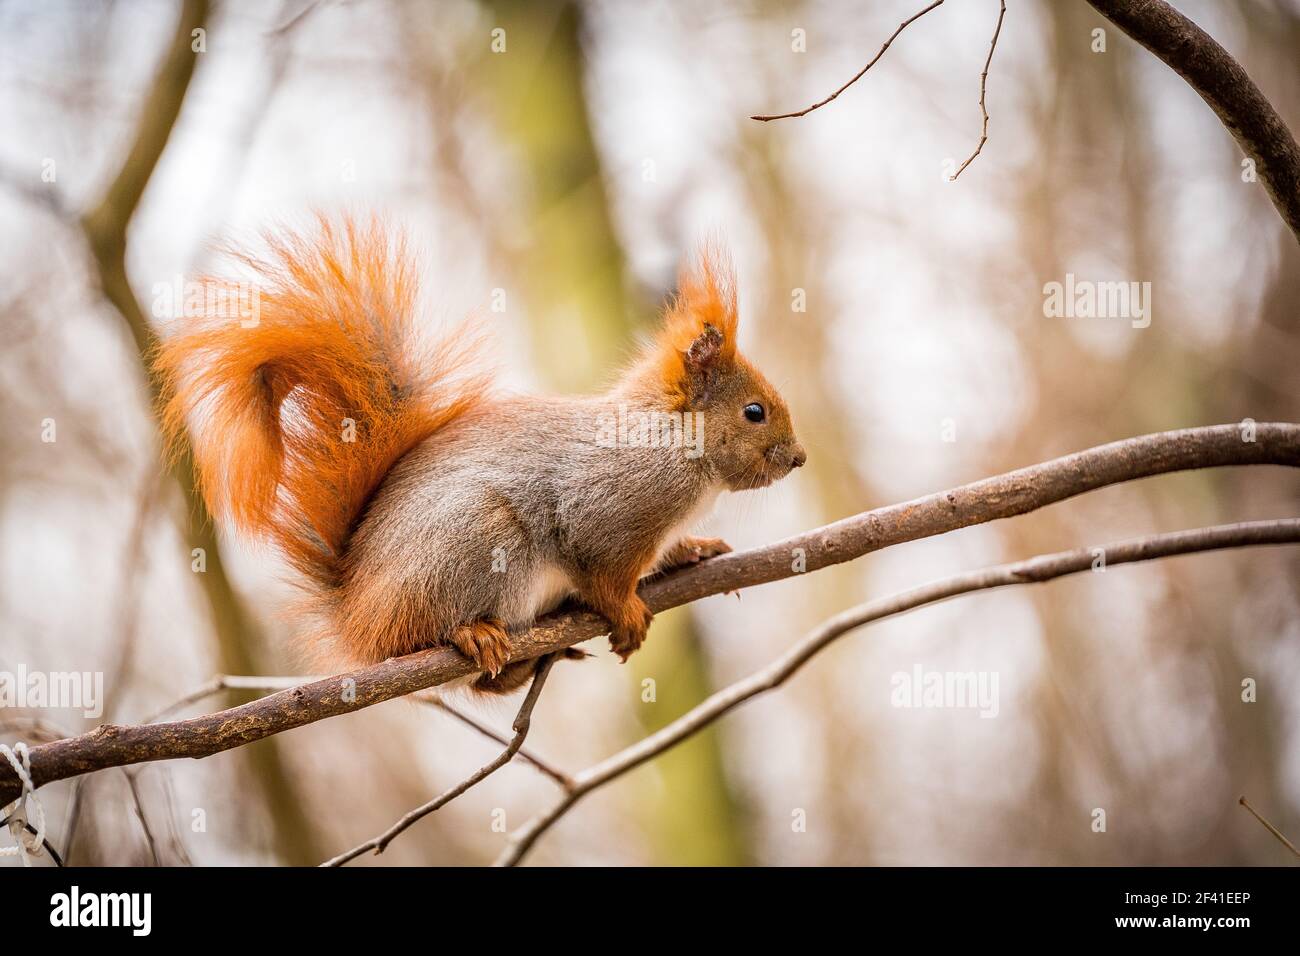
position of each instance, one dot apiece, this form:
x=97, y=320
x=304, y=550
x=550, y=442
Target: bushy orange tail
x=297, y=411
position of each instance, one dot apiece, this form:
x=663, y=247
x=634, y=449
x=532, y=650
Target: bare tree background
x=566, y=177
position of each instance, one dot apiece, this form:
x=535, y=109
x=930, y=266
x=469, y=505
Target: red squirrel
x=420, y=507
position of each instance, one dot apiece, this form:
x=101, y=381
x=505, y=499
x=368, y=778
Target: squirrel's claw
x=629, y=634
x=485, y=642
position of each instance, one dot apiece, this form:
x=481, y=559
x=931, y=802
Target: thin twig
x=139, y=812
x=133, y=563
x=559, y=776
x=214, y=686
x=1041, y=568
x=862, y=72
x=173, y=833
x=32, y=729
x=75, y=806
x=521, y=725
x=221, y=682
x=984, y=80
x=294, y=19
x=1269, y=827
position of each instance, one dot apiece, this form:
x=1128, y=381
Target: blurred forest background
x=566, y=176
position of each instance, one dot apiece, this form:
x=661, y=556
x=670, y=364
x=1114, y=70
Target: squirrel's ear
x=700, y=362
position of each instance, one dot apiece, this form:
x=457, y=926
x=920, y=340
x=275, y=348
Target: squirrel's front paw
x=692, y=551
x=485, y=642
x=630, y=628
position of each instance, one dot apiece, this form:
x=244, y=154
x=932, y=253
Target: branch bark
x=1013, y=493
x=1224, y=84
x=1042, y=568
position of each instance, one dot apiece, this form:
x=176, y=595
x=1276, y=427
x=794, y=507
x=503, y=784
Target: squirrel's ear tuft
x=699, y=331
x=706, y=296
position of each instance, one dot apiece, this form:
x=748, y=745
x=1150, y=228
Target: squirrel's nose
x=799, y=458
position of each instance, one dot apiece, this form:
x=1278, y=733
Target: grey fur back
x=464, y=528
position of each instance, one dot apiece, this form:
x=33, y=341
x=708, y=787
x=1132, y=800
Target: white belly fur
x=553, y=585
x=549, y=589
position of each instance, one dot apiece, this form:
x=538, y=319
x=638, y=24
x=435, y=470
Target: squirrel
x=421, y=507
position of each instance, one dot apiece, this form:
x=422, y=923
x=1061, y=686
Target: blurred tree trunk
x=106, y=228
x=584, y=323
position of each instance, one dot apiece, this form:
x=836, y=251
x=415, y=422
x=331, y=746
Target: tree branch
x=1014, y=493
x=561, y=778
x=1278, y=834
x=861, y=73
x=224, y=682
x=105, y=228
x=984, y=85
x=1222, y=82
x=1042, y=568
x=106, y=224
x=522, y=722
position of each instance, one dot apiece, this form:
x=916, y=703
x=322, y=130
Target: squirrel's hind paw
x=485, y=642
x=516, y=675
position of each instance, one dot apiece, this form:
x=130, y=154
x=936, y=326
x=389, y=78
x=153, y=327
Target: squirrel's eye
x=755, y=413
